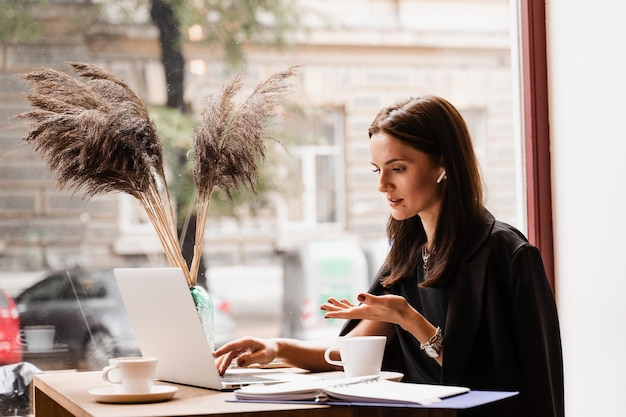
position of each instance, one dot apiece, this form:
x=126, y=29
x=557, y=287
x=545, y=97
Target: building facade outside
x=365, y=56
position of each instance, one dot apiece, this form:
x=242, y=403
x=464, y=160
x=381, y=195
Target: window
x=348, y=73
x=314, y=170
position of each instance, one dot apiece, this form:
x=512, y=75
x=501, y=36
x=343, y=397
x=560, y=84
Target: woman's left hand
x=387, y=308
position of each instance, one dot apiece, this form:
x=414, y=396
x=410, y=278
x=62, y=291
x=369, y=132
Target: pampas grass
x=230, y=141
x=96, y=136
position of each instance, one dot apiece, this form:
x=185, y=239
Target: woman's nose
x=383, y=184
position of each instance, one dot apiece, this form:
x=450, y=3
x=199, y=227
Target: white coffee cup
x=131, y=375
x=360, y=355
x=37, y=338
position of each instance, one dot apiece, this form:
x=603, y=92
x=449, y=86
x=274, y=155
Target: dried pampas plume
x=230, y=142
x=96, y=136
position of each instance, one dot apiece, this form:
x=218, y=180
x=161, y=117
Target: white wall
x=587, y=70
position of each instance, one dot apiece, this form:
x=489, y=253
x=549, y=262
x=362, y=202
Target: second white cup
x=360, y=355
x=131, y=375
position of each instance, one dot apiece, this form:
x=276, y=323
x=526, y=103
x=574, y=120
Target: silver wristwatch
x=433, y=346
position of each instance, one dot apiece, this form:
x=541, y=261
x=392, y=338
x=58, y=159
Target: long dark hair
x=432, y=125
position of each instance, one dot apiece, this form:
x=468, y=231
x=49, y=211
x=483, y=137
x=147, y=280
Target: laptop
x=167, y=326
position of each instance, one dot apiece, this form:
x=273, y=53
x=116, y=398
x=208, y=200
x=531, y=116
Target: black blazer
x=502, y=330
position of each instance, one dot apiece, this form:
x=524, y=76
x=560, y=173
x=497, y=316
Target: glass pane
x=355, y=57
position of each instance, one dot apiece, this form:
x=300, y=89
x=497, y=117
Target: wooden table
x=62, y=394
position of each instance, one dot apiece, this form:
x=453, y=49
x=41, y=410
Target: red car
x=10, y=348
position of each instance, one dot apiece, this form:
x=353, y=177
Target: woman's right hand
x=245, y=351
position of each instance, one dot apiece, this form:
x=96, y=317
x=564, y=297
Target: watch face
x=430, y=351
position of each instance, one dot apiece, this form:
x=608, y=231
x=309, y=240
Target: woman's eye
x=396, y=170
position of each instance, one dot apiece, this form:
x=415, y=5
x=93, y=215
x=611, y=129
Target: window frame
x=534, y=70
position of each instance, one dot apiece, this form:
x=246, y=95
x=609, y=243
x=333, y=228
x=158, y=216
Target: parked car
x=10, y=347
x=88, y=313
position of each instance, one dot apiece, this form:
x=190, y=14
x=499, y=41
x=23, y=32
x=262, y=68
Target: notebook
x=365, y=389
x=167, y=326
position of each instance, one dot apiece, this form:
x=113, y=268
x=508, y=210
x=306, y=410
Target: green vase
x=204, y=305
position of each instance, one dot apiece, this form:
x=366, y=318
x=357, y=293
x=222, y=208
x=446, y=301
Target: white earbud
x=441, y=176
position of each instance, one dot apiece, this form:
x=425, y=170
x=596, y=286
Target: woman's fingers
x=334, y=304
x=223, y=362
x=248, y=358
x=245, y=352
x=242, y=351
x=238, y=345
x=373, y=307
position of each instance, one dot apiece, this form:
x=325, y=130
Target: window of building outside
x=353, y=64
x=316, y=195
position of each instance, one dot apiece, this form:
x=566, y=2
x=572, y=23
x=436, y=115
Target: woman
x=463, y=298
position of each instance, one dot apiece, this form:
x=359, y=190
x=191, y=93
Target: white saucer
x=391, y=376
x=388, y=375
x=108, y=395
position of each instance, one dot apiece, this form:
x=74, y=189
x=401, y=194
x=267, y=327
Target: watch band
x=433, y=346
